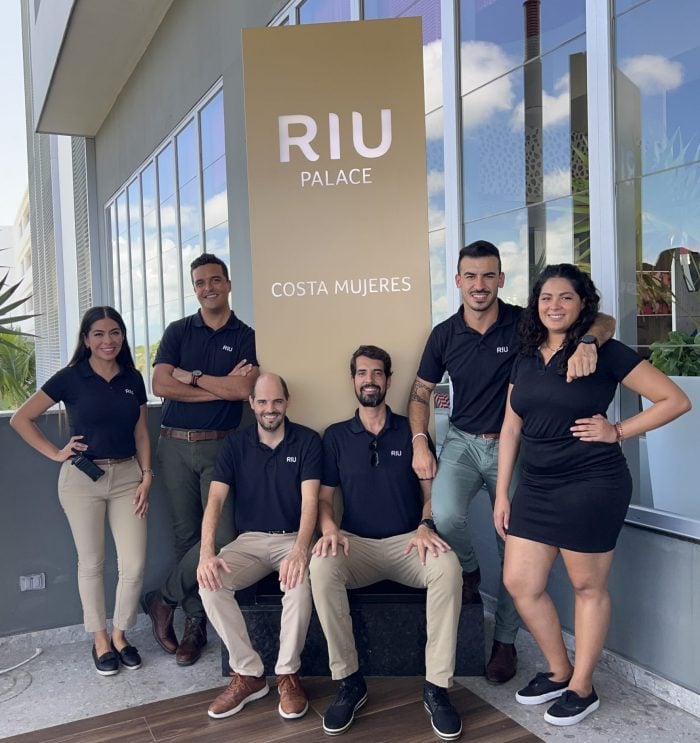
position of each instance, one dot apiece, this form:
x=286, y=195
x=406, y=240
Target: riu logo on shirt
x=501, y=349
x=128, y=391
x=227, y=348
x=396, y=453
x=291, y=459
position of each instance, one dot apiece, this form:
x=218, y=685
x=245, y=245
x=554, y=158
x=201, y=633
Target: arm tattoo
x=416, y=391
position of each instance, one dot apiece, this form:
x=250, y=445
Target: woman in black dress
x=574, y=486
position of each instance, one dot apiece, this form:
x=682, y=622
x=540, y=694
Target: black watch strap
x=429, y=523
x=590, y=340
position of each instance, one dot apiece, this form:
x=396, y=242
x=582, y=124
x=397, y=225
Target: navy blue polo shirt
x=380, y=501
x=479, y=367
x=191, y=344
x=104, y=413
x=266, y=483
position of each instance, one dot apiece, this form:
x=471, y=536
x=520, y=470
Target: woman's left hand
x=597, y=428
x=141, y=500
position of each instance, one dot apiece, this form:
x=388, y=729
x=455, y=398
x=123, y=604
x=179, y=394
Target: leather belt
x=486, y=435
x=182, y=435
x=113, y=461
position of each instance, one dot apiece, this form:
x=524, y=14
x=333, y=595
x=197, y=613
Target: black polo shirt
x=104, y=413
x=191, y=344
x=380, y=501
x=479, y=367
x=266, y=483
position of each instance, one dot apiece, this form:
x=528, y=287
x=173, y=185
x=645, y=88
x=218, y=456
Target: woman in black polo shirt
x=106, y=470
x=574, y=486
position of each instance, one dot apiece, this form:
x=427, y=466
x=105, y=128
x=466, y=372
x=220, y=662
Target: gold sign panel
x=335, y=130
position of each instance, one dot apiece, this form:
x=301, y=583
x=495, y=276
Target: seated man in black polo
x=273, y=469
x=381, y=536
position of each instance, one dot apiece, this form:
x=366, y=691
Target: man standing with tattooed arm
x=477, y=347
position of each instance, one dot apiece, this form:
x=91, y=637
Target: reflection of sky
x=663, y=70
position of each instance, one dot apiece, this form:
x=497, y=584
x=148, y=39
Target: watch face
x=197, y=373
x=588, y=339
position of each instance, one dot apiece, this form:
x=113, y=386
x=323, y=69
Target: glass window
x=151, y=242
x=211, y=124
x=657, y=84
x=494, y=34
x=324, y=11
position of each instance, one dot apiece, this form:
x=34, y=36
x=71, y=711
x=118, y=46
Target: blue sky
x=13, y=147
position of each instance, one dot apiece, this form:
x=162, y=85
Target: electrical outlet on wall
x=35, y=582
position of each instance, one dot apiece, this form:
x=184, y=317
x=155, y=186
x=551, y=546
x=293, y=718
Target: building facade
x=560, y=131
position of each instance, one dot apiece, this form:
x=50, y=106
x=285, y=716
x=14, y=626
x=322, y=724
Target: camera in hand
x=87, y=466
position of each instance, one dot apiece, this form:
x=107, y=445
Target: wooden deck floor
x=394, y=712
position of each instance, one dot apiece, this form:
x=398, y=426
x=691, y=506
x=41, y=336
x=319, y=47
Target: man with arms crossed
x=477, y=347
x=273, y=469
x=385, y=533
x=204, y=368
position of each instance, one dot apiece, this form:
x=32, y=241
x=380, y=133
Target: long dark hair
x=124, y=357
x=533, y=333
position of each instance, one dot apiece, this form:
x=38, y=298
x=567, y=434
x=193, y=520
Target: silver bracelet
x=424, y=435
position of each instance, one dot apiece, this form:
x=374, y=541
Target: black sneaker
x=107, y=664
x=350, y=697
x=446, y=723
x=541, y=689
x=570, y=708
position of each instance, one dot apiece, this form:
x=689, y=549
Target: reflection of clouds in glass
x=436, y=199
x=168, y=215
x=513, y=258
x=438, y=278
x=653, y=73
x=555, y=108
x=216, y=209
x=557, y=183
x=432, y=75
x=481, y=63
x=560, y=239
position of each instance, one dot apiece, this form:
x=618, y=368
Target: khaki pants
x=85, y=504
x=252, y=556
x=372, y=560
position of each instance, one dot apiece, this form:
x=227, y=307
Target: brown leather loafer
x=194, y=639
x=503, y=663
x=161, y=614
x=470, y=587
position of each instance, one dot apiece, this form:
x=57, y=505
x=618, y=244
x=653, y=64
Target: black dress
x=572, y=494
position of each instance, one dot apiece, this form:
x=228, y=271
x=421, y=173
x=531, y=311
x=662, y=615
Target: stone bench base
x=389, y=626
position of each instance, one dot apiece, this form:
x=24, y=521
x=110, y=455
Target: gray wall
x=197, y=43
x=655, y=594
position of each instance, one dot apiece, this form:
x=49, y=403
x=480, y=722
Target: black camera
x=87, y=466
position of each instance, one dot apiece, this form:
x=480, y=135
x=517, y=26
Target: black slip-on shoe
x=128, y=656
x=570, y=708
x=107, y=664
x=541, y=689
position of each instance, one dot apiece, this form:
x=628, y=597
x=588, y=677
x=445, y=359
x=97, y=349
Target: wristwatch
x=196, y=374
x=429, y=523
x=589, y=339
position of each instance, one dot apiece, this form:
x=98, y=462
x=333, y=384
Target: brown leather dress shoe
x=470, y=586
x=161, y=614
x=194, y=639
x=293, y=701
x=503, y=663
x=237, y=694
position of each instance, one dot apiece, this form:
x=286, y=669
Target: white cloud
x=481, y=62
x=432, y=74
x=557, y=183
x=555, y=108
x=653, y=73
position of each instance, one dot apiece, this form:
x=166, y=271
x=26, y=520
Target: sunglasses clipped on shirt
x=373, y=453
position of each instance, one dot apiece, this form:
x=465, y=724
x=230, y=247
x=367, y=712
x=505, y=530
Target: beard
x=270, y=426
x=370, y=396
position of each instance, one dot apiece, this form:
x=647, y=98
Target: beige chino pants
x=85, y=504
x=252, y=556
x=369, y=561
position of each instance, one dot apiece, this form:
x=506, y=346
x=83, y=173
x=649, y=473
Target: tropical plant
x=678, y=355
x=17, y=370
x=7, y=305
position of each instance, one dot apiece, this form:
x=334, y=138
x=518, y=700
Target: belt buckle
x=190, y=440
